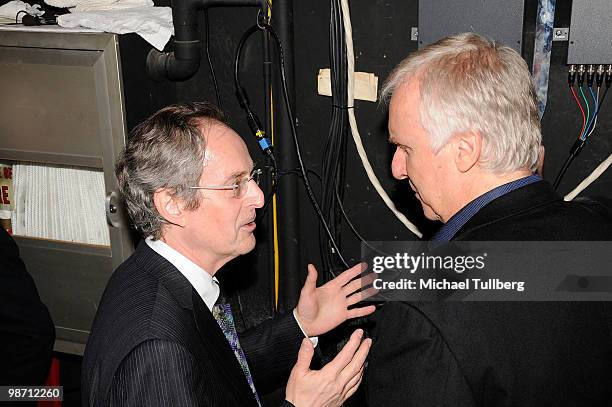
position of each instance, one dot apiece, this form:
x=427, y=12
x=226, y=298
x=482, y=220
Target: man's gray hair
x=469, y=83
x=166, y=151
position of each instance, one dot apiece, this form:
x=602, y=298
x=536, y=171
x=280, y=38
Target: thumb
x=311, y=278
x=304, y=356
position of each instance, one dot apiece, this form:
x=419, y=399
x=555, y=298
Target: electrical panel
x=500, y=20
x=590, y=36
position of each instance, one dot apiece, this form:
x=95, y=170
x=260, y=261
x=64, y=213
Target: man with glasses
x=162, y=334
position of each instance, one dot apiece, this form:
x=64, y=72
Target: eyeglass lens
x=243, y=185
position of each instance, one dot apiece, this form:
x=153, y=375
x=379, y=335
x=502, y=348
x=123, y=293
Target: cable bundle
x=334, y=154
x=589, y=122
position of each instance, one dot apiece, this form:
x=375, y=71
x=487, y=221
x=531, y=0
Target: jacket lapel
x=208, y=331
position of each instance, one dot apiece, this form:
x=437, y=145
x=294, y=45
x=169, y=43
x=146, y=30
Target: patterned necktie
x=223, y=314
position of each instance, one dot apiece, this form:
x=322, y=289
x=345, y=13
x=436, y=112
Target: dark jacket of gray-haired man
x=495, y=353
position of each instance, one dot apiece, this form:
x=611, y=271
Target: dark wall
x=381, y=34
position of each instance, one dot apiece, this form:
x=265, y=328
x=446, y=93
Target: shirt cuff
x=314, y=339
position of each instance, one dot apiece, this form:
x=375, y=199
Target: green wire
x=586, y=102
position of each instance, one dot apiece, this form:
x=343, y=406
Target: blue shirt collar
x=458, y=220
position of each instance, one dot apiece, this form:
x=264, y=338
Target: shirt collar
x=458, y=220
x=204, y=284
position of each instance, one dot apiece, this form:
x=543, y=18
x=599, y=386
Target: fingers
x=356, y=364
x=360, y=312
x=352, y=385
x=353, y=389
x=347, y=353
x=350, y=274
x=358, y=284
x=311, y=278
x=304, y=357
x=360, y=296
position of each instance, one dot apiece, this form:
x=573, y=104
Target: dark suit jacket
x=155, y=343
x=26, y=330
x=500, y=354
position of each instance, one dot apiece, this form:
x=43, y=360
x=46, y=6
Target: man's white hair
x=469, y=83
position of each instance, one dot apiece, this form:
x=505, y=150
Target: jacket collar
x=512, y=204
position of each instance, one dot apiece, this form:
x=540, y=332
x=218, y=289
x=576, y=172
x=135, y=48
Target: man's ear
x=169, y=207
x=468, y=150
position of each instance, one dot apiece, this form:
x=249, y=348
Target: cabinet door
x=62, y=105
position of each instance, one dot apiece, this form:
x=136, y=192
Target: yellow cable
x=274, y=217
x=274, y=206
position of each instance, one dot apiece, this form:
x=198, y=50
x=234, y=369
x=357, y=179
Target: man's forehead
x=403, y=106
x=226, y=153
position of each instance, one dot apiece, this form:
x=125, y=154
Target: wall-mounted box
x=500, y=20
x=590, y=34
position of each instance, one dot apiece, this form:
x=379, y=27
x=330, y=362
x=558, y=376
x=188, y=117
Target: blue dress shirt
x=456, y=222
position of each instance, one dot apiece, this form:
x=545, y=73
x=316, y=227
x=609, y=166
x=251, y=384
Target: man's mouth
x=250, y=224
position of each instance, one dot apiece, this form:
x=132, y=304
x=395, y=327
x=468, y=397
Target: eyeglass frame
x=253, y=176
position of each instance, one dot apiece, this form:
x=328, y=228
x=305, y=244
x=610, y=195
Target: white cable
x=596, y=116
x=597, y=171
x=348, y=33
x=601, y=168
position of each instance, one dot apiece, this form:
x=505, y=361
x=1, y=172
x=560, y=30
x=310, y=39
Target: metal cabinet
x=61, y=103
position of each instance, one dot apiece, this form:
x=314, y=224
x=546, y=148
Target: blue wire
x=596, y=110
x=586, y=102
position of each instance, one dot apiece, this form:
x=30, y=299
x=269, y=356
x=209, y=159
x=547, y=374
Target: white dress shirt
x=205, y=285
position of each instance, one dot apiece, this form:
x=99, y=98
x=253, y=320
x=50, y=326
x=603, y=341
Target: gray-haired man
x=464, y=119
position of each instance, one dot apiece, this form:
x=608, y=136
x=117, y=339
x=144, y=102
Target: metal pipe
x=288, y=196
x=184, y=62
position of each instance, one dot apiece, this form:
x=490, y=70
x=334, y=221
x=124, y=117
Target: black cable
x=275, y=181
x=275, y=188
x=566, y=164
x=353, y=229
x=240, y=91
x=252, y=119
x=297, y=172
x=210, y=64
x=578, y=145
x=254, y=122
x=334, y=152
x=303, y=170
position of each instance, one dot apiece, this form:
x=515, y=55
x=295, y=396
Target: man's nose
x=255, y=194
x=398, y=165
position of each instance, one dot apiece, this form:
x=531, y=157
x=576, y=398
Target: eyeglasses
x=240, y=188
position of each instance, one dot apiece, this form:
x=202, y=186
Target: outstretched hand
x=321, y=309
x=336, y=382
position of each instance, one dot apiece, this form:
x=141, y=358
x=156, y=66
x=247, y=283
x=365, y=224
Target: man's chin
x=249, y=244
